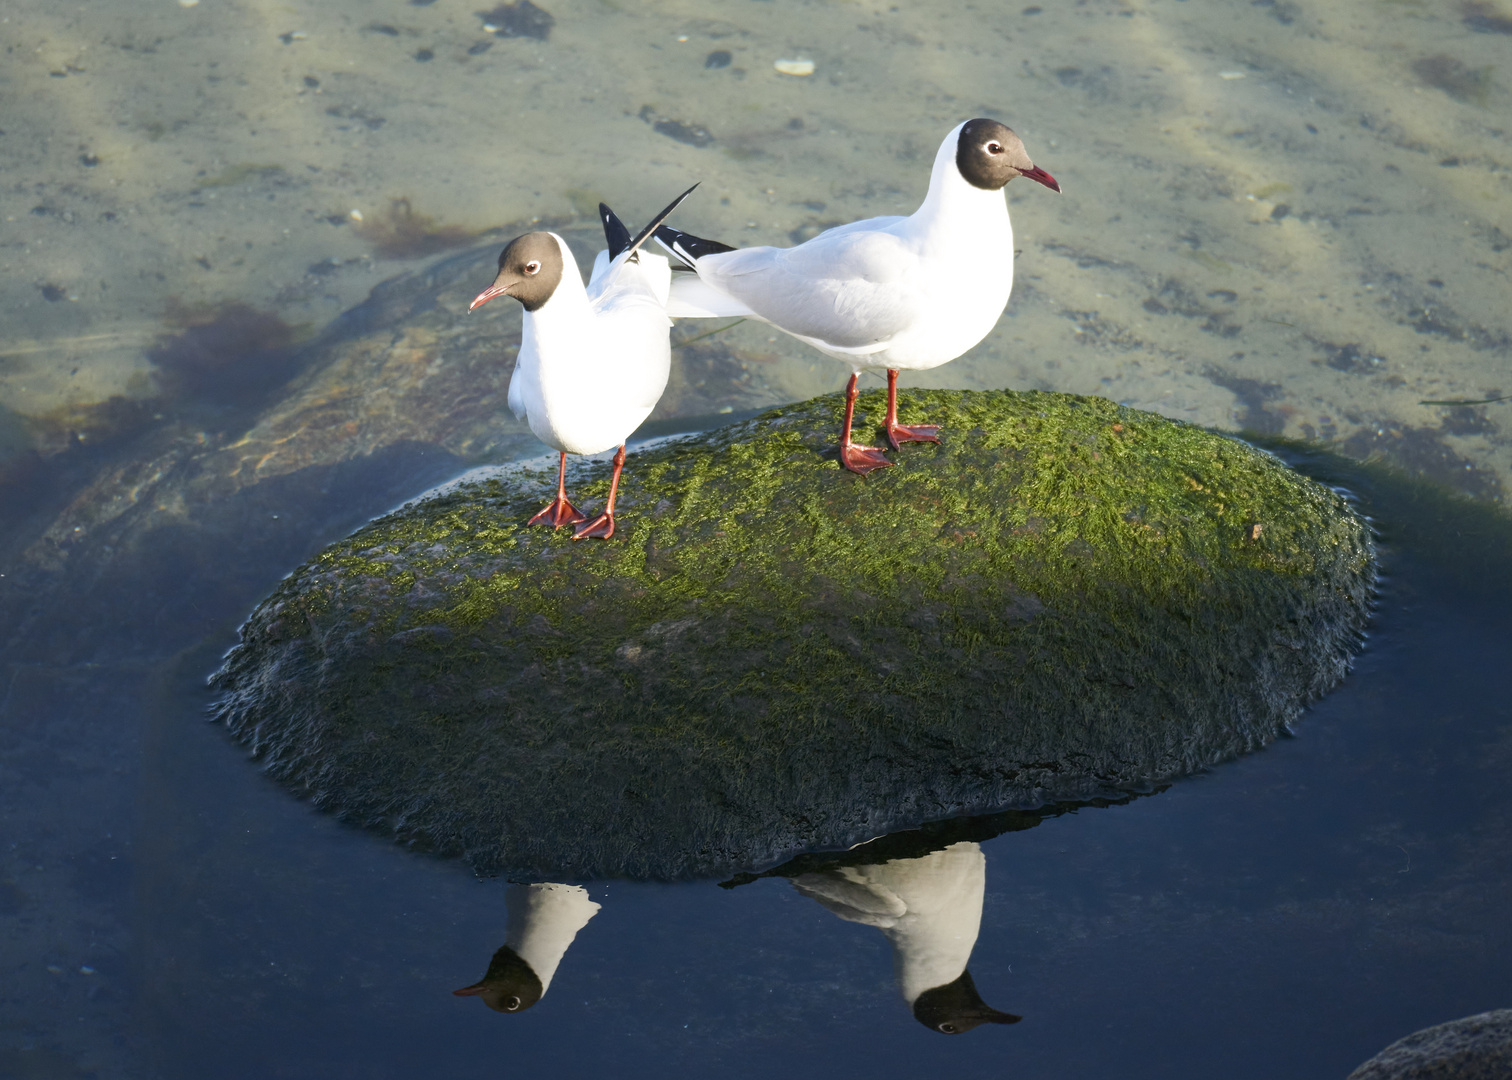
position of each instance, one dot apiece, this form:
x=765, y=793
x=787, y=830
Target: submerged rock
x=1066, y=599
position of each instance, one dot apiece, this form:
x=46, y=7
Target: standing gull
x=888, y=292
x=593, y=362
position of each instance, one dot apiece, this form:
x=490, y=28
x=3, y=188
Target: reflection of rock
x=1066, y=598
x=543, y=920
x=930, y=910
x=1474, y=1048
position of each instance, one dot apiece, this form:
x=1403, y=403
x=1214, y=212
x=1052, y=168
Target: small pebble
x=355, y=215
x=795, y=67
x=1231, y=74
x=719, y=58
x=188, y=3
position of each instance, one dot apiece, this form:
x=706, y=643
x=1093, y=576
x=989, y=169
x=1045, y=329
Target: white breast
x=543, y=920
x=593, y=362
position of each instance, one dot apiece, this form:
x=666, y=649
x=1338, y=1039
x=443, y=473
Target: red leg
x=559, y=511
x=858, y=459
x=603, y=525
x=897, y=433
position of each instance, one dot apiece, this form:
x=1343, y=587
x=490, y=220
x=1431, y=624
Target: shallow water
x=1286, y=219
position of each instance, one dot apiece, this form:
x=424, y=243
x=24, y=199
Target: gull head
x=989, y=154
x=530, y=269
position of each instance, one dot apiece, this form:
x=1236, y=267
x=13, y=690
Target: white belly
x=962, y=319
x=591, y=387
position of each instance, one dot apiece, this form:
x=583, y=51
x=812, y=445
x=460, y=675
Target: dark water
x=1288, y=914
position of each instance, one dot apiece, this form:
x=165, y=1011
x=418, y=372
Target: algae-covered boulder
x=1065, y=599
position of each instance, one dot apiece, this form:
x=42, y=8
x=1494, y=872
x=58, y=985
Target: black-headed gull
x=888, y=292
x=543, y=920
x=930, y=910
x=593, y=361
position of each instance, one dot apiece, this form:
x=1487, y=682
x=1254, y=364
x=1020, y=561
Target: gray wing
x=854, y=900
x=848, y=289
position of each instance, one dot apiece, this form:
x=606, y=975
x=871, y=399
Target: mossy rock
x=1066, y=599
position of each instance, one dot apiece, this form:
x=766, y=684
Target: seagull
x=888, y=292
x=593, y=362
x=930, y=910
x=543, y=920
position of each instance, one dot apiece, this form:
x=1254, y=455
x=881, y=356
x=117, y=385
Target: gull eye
x=513, y=1003
x=994, y=148
x=948, y=1028
x=533, y=267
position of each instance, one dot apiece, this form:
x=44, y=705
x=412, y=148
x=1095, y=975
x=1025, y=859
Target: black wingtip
x=688, y=247
x=646, y=233
x=615, y=233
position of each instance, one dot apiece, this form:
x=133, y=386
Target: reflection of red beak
x=1040, y=176
x=498, y=290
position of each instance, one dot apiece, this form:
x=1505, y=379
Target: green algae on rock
x=1066, y=599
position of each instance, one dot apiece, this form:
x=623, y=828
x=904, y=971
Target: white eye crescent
x=533, y=267
x=994, y=148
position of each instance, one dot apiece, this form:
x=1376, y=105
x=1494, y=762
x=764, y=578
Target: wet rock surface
x=1068, y=599
x=399, y=393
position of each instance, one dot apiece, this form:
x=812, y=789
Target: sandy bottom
x=1284, y=218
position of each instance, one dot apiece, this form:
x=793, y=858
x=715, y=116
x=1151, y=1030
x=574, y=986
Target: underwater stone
x=1067, y=599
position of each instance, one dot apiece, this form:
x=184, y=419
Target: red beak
x=1040, y=176
x=497, y=290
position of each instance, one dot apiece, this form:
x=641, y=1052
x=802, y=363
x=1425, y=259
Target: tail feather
x=693, y=298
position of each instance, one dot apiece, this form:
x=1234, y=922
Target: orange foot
x=862, y=459
x=601, y=527
x=897, y=434
x=560, y=512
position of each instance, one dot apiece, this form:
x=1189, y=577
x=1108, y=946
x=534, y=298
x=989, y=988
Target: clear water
x=1278, y=217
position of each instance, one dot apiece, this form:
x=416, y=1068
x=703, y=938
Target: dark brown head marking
x=988, y=155
x=530, y=269
x=511, y=984
x=956, y=1007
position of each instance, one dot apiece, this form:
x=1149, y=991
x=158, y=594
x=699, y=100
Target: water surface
x=1281, y=218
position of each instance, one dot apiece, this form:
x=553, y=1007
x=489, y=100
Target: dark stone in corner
x=1473, y=1048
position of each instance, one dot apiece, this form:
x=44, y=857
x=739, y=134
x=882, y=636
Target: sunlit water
x=1286, y=218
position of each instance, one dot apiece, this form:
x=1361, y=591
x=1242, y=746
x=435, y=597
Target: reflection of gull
x=543, y=921
x=930, y=909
